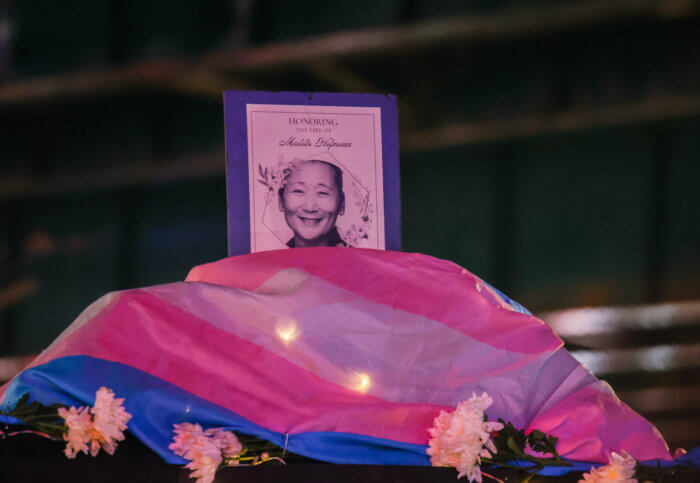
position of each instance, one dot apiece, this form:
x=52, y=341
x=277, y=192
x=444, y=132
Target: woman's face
x=311, y=201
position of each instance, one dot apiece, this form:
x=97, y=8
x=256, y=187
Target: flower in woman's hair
x=353, y=235
x=78, y=426
x=620, y=468
x=462, y=438
x=226, y=441
x=110, y=420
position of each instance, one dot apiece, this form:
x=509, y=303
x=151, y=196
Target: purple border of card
x=237, y=196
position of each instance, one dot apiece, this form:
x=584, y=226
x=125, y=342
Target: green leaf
x=513, y=446
x=543, y=443
x=37, y=416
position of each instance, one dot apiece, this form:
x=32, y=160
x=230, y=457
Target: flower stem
x=529, y=477
x=503, y=464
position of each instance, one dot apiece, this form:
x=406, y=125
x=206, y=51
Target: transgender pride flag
x=344, y=355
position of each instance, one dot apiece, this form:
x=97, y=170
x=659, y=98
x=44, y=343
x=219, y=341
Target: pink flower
x=620, y=468
x=205, y=458
x=226, y=441
x=206, y=450
x=110, y=420
x=462, y=438
x=185, y=435
x=103, y=429
x=191, y=443
x=78, y=425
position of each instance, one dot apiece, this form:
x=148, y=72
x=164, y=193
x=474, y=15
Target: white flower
x=206, y=450
x=620, y=468
x=226, y=441
x=110, y=419
x=185, y=435
x=462, y=438
x=275, y=177
x=205, y=459
x=191, y=443
x=78, y=426
x=103, y=429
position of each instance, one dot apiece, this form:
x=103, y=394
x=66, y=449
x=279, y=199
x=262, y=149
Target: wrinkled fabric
x=345, y=355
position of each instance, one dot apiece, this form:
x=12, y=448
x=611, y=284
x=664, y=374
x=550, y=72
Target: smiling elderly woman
x=312, y=199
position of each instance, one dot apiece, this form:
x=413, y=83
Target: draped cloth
x=341, y=354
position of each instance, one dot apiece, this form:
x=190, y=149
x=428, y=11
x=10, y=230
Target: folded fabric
x=340, y=354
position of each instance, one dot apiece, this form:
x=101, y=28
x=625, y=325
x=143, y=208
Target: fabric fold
x=349, y=354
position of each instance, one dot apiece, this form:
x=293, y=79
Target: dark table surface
x=27, y=458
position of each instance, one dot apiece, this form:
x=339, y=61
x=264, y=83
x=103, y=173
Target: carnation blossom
x=110, y=420
x=88, y=430
x=205, y=450
x=205, y=459
x=226, y=441
x=620, y=468
x=462, y=438
x=78, y=426
x=185, y=435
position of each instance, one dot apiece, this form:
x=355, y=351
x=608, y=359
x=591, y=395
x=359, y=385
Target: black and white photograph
x=315, y=177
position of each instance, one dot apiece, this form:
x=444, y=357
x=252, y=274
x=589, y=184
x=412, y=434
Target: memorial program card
x=317, y=169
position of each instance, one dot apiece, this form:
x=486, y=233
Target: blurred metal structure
x=650, y=354
x=334, y=59
x=6, y=38
x=16, y=291
x=179, y=168
x=211, y=73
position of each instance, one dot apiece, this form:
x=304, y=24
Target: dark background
x=550, y=147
